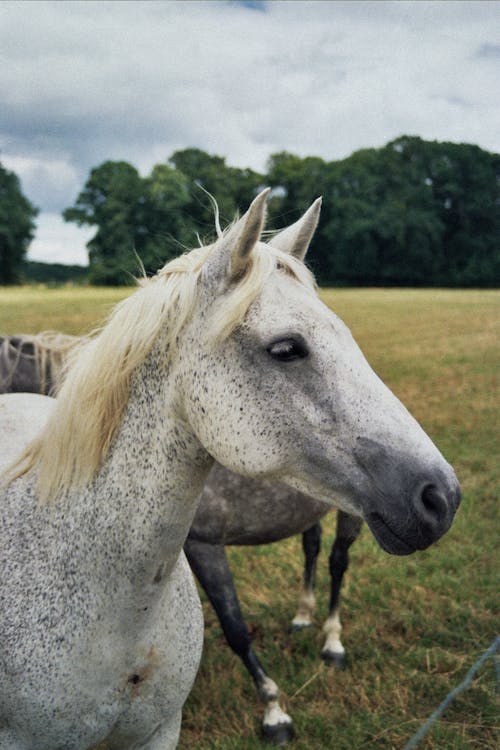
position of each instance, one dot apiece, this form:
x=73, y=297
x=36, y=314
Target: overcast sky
x=82, y=82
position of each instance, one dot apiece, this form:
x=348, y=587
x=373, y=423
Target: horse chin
x=387, y=538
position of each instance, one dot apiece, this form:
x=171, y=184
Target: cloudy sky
x=82, y=82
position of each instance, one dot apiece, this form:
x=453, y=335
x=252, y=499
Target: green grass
x=412, y=626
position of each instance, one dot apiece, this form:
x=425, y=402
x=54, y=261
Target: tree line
x=17, y=226
x=412, y=213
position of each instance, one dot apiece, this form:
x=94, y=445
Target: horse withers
x=226, y=354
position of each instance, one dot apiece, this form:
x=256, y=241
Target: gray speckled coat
x=100, y=625
x=112, y=646
x=242, y=510
x=233, y=509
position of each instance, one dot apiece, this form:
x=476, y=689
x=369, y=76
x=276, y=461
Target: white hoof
x=300, y=622
x=277, y=727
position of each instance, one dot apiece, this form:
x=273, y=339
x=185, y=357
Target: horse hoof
x=278, y=734
x=300, y=624
x=334, y=659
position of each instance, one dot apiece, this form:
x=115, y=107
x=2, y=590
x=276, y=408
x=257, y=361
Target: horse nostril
x=429, y=499
x=433, y=502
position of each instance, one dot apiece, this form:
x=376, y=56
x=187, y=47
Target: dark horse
x=234, y=510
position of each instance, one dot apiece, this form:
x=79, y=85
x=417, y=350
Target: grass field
x=412, y=626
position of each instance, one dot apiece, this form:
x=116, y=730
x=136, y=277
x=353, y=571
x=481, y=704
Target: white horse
x=226, y=354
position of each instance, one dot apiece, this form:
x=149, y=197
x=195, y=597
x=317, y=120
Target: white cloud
x=47, y=181
x=58, y=242
x=84, y=82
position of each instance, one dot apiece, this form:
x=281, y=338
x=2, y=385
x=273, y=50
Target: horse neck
x=144, y=497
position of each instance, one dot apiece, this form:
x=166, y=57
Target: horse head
x=274, y=385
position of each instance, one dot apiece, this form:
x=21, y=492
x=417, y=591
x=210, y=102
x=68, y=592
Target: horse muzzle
x=413, y=503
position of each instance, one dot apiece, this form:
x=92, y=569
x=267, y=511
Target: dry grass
x=77, y=310
x=412, y=626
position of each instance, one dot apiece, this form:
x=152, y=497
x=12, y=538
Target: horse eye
x=287, y=349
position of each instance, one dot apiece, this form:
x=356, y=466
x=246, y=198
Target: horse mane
x=94, y=393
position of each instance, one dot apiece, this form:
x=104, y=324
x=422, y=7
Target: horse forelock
x=96, y=387
x=231, y=308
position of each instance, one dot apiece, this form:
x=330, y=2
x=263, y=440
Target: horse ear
x=296, y=238
x=230, y=257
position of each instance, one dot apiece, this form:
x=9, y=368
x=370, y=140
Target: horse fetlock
x=332, y=627
x=307, y=605
x=268, y=691
x=333, y=651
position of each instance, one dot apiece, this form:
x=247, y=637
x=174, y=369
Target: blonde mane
x=91, y=401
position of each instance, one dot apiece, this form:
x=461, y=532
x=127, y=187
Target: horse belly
x=270, y=521
x=240, y=510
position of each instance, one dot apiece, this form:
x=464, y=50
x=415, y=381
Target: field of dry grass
x=412, y=626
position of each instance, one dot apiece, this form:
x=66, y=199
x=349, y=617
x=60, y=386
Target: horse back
x=20, y=367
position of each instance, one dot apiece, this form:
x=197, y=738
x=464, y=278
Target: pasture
x=412, y=626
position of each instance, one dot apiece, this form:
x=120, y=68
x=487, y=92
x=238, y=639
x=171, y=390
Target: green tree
x=157, y=216
x=411, y=213
x=465, y=182
x=297, y=182
x=17, y=227
x=382, y=221
x=232, y=187
x=165, y=217
x=109, y=201
x=414, y=212
x=301, y=180
x=135, y=218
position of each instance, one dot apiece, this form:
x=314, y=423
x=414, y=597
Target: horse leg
x=348, y=528
x=311, y=544
x=210, y=565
